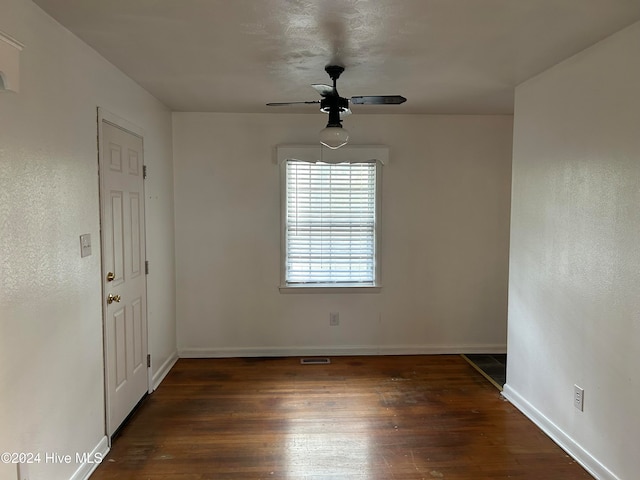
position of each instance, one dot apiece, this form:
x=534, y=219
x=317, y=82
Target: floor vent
x=314, y=361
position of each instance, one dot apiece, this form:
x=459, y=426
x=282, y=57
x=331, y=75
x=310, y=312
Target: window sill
x=329, y=289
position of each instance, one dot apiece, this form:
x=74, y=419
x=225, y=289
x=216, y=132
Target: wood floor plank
x=373, y=418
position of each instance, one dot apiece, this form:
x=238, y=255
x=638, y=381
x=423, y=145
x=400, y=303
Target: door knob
x=113, y=298
x=111, y=276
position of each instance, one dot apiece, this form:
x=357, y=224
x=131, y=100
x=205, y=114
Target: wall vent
x=314, y=361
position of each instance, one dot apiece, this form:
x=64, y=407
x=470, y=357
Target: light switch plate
x=85, y=245
x=578, y=397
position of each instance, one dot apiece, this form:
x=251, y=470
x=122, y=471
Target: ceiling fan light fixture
x=334, y=136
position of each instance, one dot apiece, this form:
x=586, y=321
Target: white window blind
x=330, y=224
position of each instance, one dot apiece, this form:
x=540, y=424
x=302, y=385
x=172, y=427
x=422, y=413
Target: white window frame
x=347, y=154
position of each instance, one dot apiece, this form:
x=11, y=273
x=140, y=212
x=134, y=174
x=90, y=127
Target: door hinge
x=146, y=267
x=148, y=360
x=144, y=171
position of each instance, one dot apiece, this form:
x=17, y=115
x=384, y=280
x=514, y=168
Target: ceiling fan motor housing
x=340, y=102
x=333, y=103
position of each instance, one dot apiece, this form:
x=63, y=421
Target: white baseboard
x=93, y=459
x=345, y=350
x=564, y=441
x=159, y=375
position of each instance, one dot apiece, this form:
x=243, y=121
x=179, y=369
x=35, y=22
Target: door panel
x=136, y=259
x=134, y=164
x=116, y=246
x=137, y=324
x=115, y=157
x=125, y=297
x=120, y=345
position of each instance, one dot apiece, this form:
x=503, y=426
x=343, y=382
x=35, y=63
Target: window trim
x=378, y=154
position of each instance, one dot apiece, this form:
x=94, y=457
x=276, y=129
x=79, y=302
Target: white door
x=123, y=267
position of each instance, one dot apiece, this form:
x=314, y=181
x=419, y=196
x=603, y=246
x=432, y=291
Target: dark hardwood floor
x=397, y=417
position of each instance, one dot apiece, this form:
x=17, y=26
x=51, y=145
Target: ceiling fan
x=334, y=136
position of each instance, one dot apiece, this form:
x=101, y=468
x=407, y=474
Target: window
x=330, y=219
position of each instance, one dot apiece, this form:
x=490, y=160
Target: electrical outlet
x=23, y=471
x=334, y=319
x=578, y=397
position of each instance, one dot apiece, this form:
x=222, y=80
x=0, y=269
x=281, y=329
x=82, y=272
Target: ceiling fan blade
x=323, y=90
x=378, y=100
x=280, y=104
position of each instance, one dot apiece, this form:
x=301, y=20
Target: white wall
x=574, y=308
x=445, y=224
x=51, y=360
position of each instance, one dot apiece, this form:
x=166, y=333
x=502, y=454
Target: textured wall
x=574, y=309
x=445, y=228
x=51, y=360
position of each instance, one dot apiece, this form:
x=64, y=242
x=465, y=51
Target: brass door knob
x=113, y=298
x=111, y=276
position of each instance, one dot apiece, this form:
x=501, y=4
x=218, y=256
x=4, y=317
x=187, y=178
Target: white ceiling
x=445, y=56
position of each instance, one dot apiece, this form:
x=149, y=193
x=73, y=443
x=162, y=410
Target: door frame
x=104, y=115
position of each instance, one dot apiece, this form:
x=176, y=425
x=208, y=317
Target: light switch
x=85, y=245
